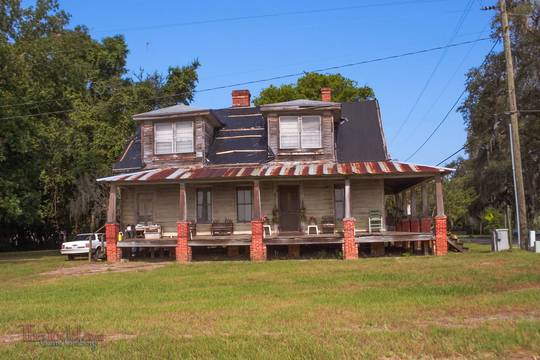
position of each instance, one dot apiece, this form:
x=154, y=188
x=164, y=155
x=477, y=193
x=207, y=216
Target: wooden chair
x=375, y=221
x=193, y=228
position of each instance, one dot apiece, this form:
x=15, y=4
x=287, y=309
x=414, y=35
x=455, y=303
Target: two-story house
x=293, y=174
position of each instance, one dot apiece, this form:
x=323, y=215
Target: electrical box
x=500, y=240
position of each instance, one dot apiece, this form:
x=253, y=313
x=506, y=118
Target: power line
x=391, y=57
x=451, y=108
x=442, y=161
x=270, y=15
x=459, y=24
x=446, y=85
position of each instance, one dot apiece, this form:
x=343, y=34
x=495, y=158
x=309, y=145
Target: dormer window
x=300, y=132
x=173, y=137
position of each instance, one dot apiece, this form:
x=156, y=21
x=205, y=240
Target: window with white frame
x=173, y=137
x=297, y=132
x=244, y=203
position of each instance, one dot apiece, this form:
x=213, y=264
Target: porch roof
x=278, y=170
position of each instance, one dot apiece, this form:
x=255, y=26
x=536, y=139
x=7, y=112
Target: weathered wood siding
x=203, y=134
x=326, y=152
x=366, y=195
x=316, y=195
x=318, y=199
x=165, y=201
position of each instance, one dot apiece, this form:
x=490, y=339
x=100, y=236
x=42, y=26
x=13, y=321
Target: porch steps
x=455, y=246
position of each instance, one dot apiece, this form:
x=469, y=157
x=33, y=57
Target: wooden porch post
x=425, y=223
x=441, y=241
x=112, y=228
x=413, y=202
x=111, y=209
x=439, y=195
x=183, y=250
x=350, y=247
x=182, y=205
x=425, y=205
x=415, y=222
x=257, y=212
x=347, y=198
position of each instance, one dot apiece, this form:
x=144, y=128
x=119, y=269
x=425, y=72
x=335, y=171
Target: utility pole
x=521, y=207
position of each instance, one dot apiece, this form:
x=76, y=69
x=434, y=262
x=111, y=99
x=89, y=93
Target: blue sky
x=159, y=35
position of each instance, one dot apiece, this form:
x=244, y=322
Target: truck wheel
x=98, y=254
x=71, y=257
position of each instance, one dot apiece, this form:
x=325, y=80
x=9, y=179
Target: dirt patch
x=99, y=268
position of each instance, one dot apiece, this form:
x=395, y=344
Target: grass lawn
x=474, y=305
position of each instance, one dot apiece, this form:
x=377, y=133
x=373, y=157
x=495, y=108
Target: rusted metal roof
x=277, y=170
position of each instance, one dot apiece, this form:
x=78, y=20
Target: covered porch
x=256, y=213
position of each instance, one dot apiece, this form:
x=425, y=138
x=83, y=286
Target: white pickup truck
x=80, y=243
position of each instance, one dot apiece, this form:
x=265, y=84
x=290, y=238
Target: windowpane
x=288, y=132
x=243, y=204
x=311, y=132
x=164, y=138
x=339, y=202
x=204, y=206
x=184, y=136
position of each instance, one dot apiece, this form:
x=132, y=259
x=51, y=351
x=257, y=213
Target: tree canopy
x=309, y=86
x=489, y=167
x=66, y=102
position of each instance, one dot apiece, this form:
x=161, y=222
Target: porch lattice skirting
x=111, y=237
x=183, y=250
x=350, y=247
x=257, y=249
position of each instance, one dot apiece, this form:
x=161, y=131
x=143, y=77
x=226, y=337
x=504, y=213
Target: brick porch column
x=257, y=249
x=111, y=237
x=293, y=251
x=441, y=241
x=425, y=225
x=350, y=248
x=183, y=250
x=415, y=225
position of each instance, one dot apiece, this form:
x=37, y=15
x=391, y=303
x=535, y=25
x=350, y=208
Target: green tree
x=484, y=111
x=83, y=100
x=458, y=195
x=309, y=87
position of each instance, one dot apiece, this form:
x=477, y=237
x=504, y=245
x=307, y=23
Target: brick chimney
x=241, y=98
x=326, y=94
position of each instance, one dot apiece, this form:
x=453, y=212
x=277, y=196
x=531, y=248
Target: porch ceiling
x=282, y=170
x=396, y=185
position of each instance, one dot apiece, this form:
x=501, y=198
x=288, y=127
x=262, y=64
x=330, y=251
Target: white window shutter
x=288, y=132
x=184, y=137
x=311, y=132
x=163, y=138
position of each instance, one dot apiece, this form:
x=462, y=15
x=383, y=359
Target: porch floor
x=281, y=239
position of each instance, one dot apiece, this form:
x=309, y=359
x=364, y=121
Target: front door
x=289, y=208
x=145, y=208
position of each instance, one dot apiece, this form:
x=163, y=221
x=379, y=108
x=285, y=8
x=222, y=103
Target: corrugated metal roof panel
x=298, y=169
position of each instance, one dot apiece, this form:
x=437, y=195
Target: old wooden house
x=248, y=178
